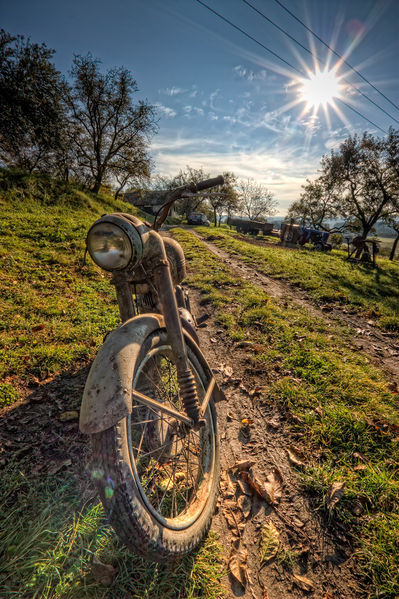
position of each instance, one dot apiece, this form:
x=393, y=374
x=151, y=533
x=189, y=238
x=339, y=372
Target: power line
x=336, y=54
x=315, y=56
x=249, y=36
x=282, y=59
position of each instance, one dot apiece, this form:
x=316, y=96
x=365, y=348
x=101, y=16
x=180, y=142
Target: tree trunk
x=394, y=245
x=215, y=217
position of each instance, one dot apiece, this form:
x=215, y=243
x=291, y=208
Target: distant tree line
x=237, y=196
x=86, y=129
x=359, y=184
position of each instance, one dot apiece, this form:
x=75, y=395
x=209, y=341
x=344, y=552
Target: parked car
x=198, y=218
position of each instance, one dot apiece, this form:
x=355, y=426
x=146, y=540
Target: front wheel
x=158, y=478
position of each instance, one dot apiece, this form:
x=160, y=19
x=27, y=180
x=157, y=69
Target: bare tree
x=316, y=205
x=223, y=198
x=108, y=129
x=256, y=200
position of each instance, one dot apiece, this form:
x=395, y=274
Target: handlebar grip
x=209, y=183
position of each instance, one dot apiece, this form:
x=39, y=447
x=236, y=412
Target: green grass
x=344, y=404
x=55, y=312
x=48, y=539
x=328, y=277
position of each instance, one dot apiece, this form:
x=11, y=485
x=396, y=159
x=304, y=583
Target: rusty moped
x=149, y=399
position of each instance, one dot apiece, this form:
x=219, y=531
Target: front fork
x=163, y=283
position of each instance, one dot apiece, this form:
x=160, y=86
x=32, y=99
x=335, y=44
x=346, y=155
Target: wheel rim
x=172, y=464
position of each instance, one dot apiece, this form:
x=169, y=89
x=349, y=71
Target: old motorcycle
x=149, y=398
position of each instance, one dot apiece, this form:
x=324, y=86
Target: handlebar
x=178, y=193
x=209, y=183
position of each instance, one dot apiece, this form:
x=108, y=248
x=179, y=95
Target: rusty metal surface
x=107, y=396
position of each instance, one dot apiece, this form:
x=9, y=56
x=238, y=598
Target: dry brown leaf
x=273, y=422
x=238, y=565
x=37, y=327
x=244, y=487
x=102, y=573
x=328, y=595
x=294, y=458
x=335, y=492
x=245, y=505
x=254, y=484
x=269, y=542
x=71, y=415
x=360, y=467
x=246, y=422
x=297, y=522
x=242, y=465
x=274, y=486
x=231, y=522
x=227, y=371
x=360, y=456
x=303, y=583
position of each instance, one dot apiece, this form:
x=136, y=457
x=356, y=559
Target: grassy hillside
x=328, y=277
x=54, y=313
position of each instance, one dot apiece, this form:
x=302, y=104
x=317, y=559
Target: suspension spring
x=188, y=391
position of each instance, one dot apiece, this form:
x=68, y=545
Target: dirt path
x=382, y=347
x=307, y=547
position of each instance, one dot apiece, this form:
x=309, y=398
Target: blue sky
x=223, y=102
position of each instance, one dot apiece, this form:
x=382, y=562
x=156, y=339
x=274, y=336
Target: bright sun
x=320, y=88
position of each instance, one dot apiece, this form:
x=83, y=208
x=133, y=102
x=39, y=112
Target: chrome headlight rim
x=131, y=233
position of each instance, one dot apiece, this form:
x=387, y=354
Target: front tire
x=158, y=479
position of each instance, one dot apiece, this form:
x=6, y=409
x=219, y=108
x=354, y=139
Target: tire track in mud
x=381, y=347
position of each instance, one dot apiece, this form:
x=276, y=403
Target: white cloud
x=166, y=111
x=243, y=73
x=173, y=91
x=282, y=171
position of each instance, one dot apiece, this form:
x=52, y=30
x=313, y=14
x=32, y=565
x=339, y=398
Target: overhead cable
x=336, y=54
x=315, y=56
x=302, y=73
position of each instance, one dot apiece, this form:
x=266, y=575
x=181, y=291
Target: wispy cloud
x=283, y=172
x=166, y=111
x=173, y=91
x=241, y=72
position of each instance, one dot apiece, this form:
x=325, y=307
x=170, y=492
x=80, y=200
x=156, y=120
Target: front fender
x=107, y=396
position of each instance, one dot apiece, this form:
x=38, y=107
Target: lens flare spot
x=320, y=88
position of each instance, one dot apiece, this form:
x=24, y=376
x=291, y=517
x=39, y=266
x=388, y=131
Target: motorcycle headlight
x=114, y=243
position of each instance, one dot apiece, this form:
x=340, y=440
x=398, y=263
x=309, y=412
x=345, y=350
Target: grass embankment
x=328, y=277
x=54, y=315
x=347, y=408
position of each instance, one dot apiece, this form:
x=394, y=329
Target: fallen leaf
x=246, y=422
x=37, y=327
x=71, y=415
x=227, y=371
x=242, y=465
x=102, y=573
x=273, y=422
x=245, y=505
x=328, y=595
x=254, y=484
x=303, y=583
x=294, y=458
x=360, y=456
x=335, y=492
x=56, y=466
x=244, y=487
x=238, y=565
x=297, y=522
x=360, y=467
x=269, y=542
x=213, y=340
x=273, y=486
